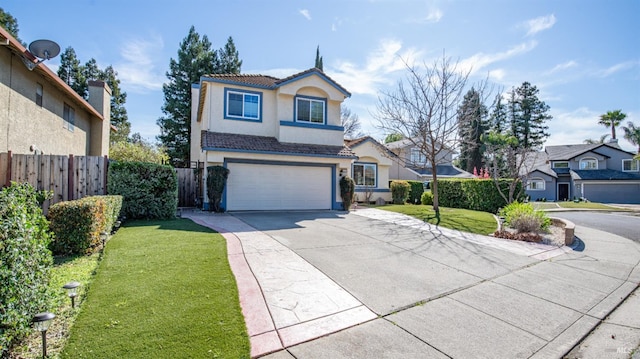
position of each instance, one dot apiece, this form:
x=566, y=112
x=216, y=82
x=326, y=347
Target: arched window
x=588, y=163
x=536, y=184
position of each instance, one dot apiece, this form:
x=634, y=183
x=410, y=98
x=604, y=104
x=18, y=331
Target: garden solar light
x=103, y=237
x=41, y=321
x=72, y=291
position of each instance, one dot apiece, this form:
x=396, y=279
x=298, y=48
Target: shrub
x=25, y=262
x=77, y=224
x=149, y=190
x=523, y=218
x=347, y=191
x=415, y=191
x=400, y=191
x=427, y=198
x=474, y=194
x=216, y=181
x=450, y=194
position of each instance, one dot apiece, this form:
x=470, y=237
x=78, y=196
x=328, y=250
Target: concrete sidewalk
x=389, y=286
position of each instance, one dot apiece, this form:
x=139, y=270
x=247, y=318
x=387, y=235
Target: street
x=623, y=224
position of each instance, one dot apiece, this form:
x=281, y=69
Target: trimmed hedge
x=77, y=224
x=149, y=190
x=415, y=191
x=427, y=198
x=474, y=194
x=400, y=191
x=25, y=262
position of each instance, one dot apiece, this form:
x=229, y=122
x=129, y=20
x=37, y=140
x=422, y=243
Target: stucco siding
x=550, y=187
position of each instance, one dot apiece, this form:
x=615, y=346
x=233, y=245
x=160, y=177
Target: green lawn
x=454, y=218
x=163, y=289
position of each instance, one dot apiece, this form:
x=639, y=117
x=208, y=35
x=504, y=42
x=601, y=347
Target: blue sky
x=583, y=55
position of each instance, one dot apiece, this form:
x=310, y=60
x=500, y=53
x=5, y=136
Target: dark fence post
x=70, y=187
x=8, y=179
x=106, y=178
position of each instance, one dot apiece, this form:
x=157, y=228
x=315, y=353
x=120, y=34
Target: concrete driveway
x=405, y=289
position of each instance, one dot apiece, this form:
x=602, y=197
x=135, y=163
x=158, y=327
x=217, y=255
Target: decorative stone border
x=569, y=229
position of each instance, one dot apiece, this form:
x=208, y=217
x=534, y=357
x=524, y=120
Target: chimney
x=613, y=142
x=100, y=99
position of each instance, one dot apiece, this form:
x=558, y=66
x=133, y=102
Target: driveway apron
x=387, y=285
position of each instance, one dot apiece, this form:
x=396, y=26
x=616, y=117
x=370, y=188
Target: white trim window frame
x=242, y=105
x=365, y=174
x=588, y=163
x=561, y=164
x=536, y=184
x=634, y=165
x=310, y=110
x=417, y=157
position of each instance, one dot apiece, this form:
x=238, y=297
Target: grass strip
x=164, y=289
x=454, y=218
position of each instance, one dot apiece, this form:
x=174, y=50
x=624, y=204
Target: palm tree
x=612, y=119
x=632, y=134
x=591, y=141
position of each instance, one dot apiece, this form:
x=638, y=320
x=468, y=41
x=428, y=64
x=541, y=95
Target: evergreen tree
x=229, y=62
x=9, y=23
x=195, y=58
x=472, y=125
x=119, y=117
x=71, y=72
x=498, y=119
x=319, y=64
x=528, y=116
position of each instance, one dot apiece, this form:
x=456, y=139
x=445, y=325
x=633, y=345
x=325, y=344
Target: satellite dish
x=44, y=49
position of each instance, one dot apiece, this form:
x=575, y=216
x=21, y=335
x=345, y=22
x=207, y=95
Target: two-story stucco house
x=411, y=164
x=371, y=169
x=40, y=113
x=596, y=172
x=281, y=139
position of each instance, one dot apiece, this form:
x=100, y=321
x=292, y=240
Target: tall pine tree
x=71, y=72
x=319, y=64
x=472, y=125
x=9, y=23
x=228, y=60
x=529, y=115
x=195, y=58
x=119, y=117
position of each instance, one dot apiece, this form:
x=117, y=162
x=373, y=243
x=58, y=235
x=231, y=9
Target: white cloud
x=305, y=13
x=378, y=69
x=497, y=74
x=617, y=67
x=433, y=16
x=481, y=60
x=137, y=69
x=560, y=67
x=538, y=24
x=574, y=126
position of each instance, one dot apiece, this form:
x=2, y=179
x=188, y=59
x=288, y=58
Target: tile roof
x=603, y=175
x=271, y=82
x=567, y=152
x=443, y=170
x=358, y=141
x=237, y=142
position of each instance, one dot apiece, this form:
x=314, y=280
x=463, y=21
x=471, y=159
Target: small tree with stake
x=347, y=191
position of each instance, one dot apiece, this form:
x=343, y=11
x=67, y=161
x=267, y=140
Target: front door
x=563, y=191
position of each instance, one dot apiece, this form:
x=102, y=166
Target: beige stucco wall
x=23, y=123
x=196, y=153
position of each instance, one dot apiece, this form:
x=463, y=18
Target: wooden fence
x=68, y=177
x=189, y=187
x=73, y=177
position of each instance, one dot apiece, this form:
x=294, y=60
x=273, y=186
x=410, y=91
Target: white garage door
x=275, y=187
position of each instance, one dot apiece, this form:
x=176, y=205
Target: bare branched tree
x=423, y=109
x=351, y=123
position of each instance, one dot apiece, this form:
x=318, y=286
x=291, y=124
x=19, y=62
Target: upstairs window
x=588, y=163
x=242, y=105
x=561, y=164
x=69, y=117
x=39, y=92
x=310, y=110
x=365, y=174
x=418, y=158
x=630, y=166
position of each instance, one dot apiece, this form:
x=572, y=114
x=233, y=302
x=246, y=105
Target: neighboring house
x=410, y=164
x=596, y=172
x=371, y=169
x=281, y=139
x=40, y=113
